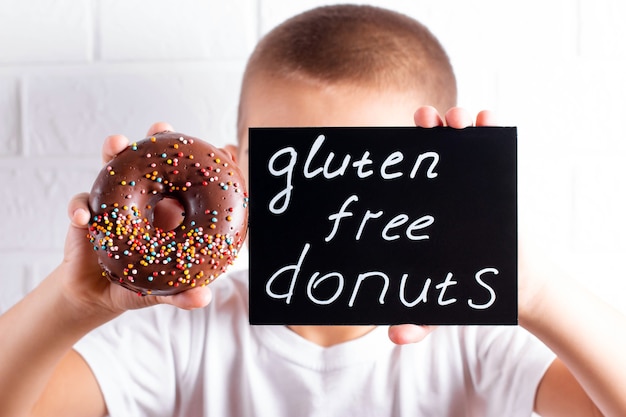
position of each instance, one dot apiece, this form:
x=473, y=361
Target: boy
x=343, y=65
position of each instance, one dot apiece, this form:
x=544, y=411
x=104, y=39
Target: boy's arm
x=588, y=336
x=71, y=387
x=40, y=374
x=39, y=331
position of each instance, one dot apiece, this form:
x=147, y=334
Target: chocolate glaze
x=136, y=254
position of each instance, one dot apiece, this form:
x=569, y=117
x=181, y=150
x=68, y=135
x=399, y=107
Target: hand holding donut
x=84, y=279
x=149, y=257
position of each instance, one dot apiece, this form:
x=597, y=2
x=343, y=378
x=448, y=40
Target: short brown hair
x=362, y=45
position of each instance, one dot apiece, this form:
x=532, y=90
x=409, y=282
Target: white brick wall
x=72, y=72
x=46, y=32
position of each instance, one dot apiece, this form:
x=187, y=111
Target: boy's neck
x=327, y=336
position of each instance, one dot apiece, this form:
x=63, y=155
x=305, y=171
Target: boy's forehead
x=271, y=102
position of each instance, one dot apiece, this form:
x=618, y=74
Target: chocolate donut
x=141, y=256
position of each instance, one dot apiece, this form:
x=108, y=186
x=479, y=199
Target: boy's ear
x=233, y=151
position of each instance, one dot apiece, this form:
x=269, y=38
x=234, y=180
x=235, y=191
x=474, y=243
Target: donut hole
x=169, y=213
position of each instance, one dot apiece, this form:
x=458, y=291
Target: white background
x=72, y=72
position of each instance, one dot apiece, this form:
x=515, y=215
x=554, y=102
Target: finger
x=486, y=118
x=78, y=210
x=159, y=127
x=427, y=116
x=188, y=300
x=113, y=145
x=403, y=334
x=458, y=118
x=231, y=151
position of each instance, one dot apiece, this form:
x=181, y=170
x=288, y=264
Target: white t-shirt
x=163, y=361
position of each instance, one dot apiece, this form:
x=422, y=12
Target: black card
x=383, y=225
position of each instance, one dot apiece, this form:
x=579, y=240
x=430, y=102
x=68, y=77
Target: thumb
x=403, y=334
x=78, y=210
x=189, y=300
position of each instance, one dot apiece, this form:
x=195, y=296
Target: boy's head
x=344, y=65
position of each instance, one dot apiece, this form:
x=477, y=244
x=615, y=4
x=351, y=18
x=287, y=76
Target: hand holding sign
x=429, y=117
